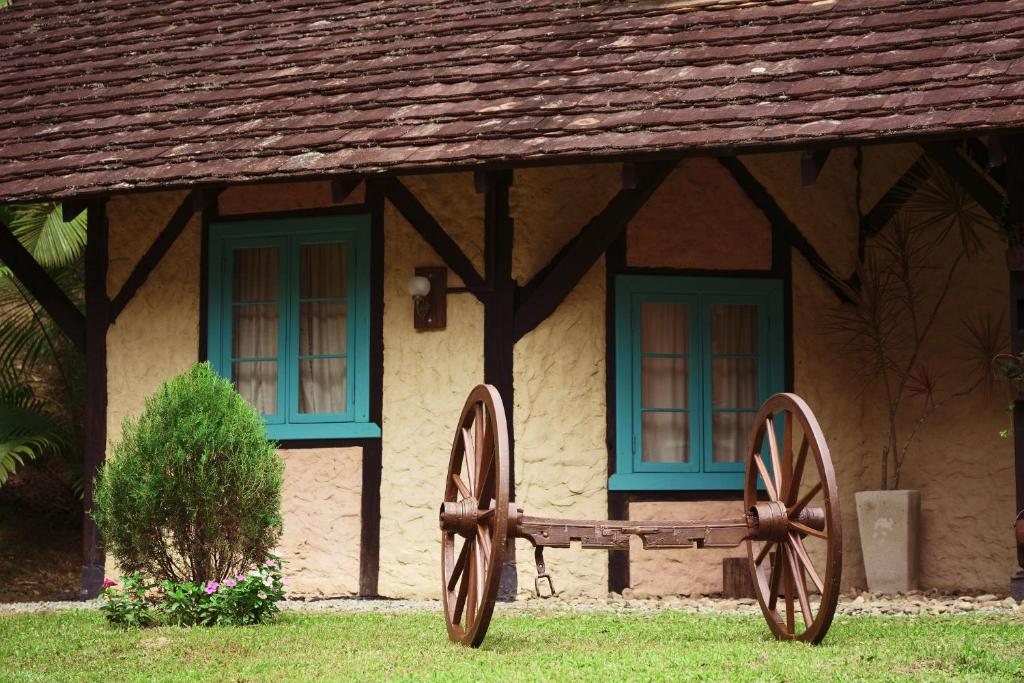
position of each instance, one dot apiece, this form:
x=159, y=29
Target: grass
x=601, y=646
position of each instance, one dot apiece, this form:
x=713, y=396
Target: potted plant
x=901, y=288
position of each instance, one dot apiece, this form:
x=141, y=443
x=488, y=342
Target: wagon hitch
x=542, y=573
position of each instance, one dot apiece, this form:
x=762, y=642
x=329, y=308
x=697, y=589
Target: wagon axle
x=790, y=522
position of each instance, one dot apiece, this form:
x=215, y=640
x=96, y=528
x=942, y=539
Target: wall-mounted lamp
x=429, y=292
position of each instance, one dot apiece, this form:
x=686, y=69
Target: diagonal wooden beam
x=194, y=203
x=781, y=223
x=431, y=231
x=893, y=200
x=546, y=291
x=970, y=177
x=40, y=285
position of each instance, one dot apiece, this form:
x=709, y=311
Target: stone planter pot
x=888, y=522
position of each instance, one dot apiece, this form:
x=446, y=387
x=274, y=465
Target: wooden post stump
x=736, y=581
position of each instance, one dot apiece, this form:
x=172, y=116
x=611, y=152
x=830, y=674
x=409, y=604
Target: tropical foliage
x=42, y=378
x=898, y=294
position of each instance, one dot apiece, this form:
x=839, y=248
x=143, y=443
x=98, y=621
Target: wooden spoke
x=468, y=459
x=764, y=552
x=798, y=583
x=773, y=583
x=787, y=582
x=798, y=472
x=471, y=600
x=773, y=448
x=805, y=559
x=486, y=514
x=481, y=568
x=483, y=534
x=787, y=456
x=486, y=471
x=480, y=425
x=804, y=500
x=461, y=485
x=769, y=485
x=804, y=529
x=460, y=600
x=460, y=565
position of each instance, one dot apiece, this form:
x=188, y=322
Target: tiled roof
x=110, y=95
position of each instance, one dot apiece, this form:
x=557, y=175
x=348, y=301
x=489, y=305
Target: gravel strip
x=930, y=602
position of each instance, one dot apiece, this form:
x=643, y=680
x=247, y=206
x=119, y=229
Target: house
x=264, y=179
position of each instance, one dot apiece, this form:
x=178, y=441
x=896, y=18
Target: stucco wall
x=157, y=336
x=427, y=376
x=559, y=374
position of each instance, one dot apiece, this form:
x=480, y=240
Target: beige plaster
x=320, y=504
x=671, y=572
x=700, y=218
x=427, y=376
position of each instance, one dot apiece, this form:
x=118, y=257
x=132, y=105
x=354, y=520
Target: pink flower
x=107, y=583
x=284, y=580
x=211, y=587
x=240, y=577
x=270, y=563
x=229, y=582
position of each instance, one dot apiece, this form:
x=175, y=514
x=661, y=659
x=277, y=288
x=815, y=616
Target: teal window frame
x=288, y=235
x=701, y=473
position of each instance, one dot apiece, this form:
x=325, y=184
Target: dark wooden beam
x=343, y=187
x=892, y=201
x=369, y=535
x=618, y=501
x=431, y=231
x=41, y=286
x=72, y=209
x=969, y=176
x=194, y=203
x=782, y=225
x=97, y=322
x=546, y=290
x=811, y=163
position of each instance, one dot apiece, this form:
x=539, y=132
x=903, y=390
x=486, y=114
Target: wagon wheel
x=796, y=556
x=475, y=509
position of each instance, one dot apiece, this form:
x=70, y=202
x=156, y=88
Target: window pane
x=322, y=385
x=665, y=328
x=256, y=274
x=664, y=382
x=734, y=383
x=323, y=271
x=666, y=437
x=729, y=432
x=733, y=329
x=254, y=333
x=322, y=328
x=257, y=383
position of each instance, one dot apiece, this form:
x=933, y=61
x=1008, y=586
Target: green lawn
x=594, y=646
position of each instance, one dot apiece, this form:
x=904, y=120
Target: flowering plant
x=126, y=606
x=243, y=599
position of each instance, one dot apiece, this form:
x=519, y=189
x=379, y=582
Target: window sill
x=676, y=481
x=324, y=430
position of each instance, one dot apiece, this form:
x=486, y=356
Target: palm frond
x=42, y=229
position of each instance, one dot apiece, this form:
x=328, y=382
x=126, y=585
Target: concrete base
x=888, y=522
x=1017, y=586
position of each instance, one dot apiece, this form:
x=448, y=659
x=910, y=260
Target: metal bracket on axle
x=542, y=573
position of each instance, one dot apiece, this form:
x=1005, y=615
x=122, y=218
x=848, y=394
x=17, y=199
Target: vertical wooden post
x=499, y=324
x=97, y=322
x=618, y=501
x=1015, y=262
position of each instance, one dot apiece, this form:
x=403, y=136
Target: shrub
x=192, y=492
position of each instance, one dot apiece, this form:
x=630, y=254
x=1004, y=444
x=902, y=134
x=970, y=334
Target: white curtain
x=255, y=326
x=733, y=380
x=664, y=380
x=323, y=318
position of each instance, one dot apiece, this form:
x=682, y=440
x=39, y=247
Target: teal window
x=694, y=359
x=289, y=321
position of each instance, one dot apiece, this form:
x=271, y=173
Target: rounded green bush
x=192, y=492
